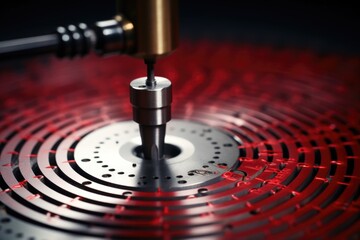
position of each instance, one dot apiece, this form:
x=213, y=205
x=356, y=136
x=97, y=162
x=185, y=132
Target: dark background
x=324, y=26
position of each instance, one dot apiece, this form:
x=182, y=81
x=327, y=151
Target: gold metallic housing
x=156, y=26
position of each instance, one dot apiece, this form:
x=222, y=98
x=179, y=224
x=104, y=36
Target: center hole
x=170, y=151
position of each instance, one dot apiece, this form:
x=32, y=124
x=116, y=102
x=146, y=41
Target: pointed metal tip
x=150, y=80
x=154, y=153
x=152, y=138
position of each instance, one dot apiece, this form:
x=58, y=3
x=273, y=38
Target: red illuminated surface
x=296, y=112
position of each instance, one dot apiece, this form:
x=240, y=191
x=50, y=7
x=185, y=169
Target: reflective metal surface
x=156, y=25
x=196, y=154
x=297, y=175
x=151, y=110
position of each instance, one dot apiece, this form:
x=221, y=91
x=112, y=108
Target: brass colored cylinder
x=156, y=26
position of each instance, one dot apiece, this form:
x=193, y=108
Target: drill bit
x=152, y=137
x=150, y=80
x=151, y=99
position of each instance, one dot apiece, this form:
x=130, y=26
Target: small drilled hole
x=229, y=227
x=99, y=161
x=86, y=183
x=205, y=166
x=127, y=194
x=111, y=169
x=211, y=161
x=179, y=176
x=85, y=160
x=255, y=211
x=5, y=220
x=19, y=235
x=182, y=181
x=106, y=175
x=120, y=173
x=104, y=166
x=202, y=190
x=131, y=175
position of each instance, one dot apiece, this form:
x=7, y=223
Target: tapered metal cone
x=152, y=138
x=151, y=110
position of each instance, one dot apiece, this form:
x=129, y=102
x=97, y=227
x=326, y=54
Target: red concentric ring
x=296, y=112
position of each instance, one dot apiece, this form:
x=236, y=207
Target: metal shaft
x=150, y=81
x=153, y=138
x=151, y=110
x=31, y=46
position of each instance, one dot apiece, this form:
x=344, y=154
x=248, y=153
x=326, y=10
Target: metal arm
x=74, y=40
x=145, y=29
x=148, y=30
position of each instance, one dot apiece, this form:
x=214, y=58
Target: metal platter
x=264, y=143
x=196, y=154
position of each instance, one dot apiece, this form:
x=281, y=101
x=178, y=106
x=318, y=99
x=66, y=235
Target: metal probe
x=144, y=29
x=150, y=81
x=151, y=100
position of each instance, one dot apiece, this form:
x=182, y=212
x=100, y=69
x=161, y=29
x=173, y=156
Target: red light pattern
x=296, y=113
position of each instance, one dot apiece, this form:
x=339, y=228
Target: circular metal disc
x=197, y=154
x=64, y=176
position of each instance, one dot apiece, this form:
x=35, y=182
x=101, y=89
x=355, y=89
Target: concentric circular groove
x=293, y=143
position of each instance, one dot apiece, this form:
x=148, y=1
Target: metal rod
x=152, y=138
x=150, y=80
x=28, y=46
